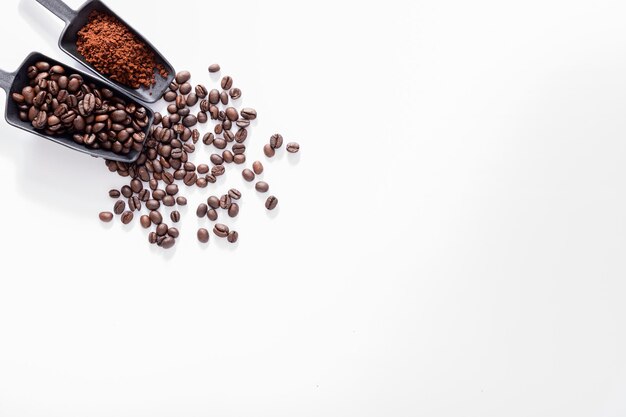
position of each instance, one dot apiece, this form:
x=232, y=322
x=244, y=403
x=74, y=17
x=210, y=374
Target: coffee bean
x=169, y=201
x=127, y=217
x=216, y=159
x=171, y=189
x=170, y=96
x=190, y=179
x=242, y=123
x=211, y=179
x=223, y=99
x=168, y=243
x=153, y=204
x=241, y=135
x=201, y=210
x=233, y=237
x=239, y=148
x=271, y=202
x=213, y=202
x=212, y=215
x=127, y=191
x=181, y=201
x=269, y=151
x=208, y=139
x=218, y=170
x=201, y=91
x=182, y=77
x=173, y=232
x=262, y=187
x=136, y=186
x=234, y=194
x=134, y=204
x=221, y=230
x=161, y=229
x=154, y=184
x=114, y=194
x=158, y=194
x=233, y=210
x=203, y=235
x=185, y=88
x=190, y=121
x=225, y=202
x=214, y=96
x=235, y=94
x=118, y=116
x=219, y=143
x=214, y=68
x=257, y=167
x=145, y=221
x=202, y=118
x=232, y=114
x=276, y=141
x=248, y=175
x=152, y=238
x=227, y=83
x=228, y=156
x=119, y=207
x=293, y=147
x=106, y=216
x=168, y=178
x=248, y=114
x=156, y=217
x=203, y=169
x=175, y=216
x=144, y=195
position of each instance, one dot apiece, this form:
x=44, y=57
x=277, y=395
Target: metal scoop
x=16, y=81
x=75, y=20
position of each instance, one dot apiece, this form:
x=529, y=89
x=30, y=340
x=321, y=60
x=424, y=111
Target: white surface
x=450, y=243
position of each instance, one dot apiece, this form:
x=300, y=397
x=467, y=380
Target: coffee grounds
x=108, y=45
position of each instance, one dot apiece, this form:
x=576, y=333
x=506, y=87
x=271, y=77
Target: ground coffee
x=108, y=45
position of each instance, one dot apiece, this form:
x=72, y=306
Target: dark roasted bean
x=213, y=202
x=106, y=216
x=221, y=230
x=257, y=167
x=233, y=210
x=127, y=217
x=293, y=147
x=203, y=235
x=271, y=202
x=248, y=175
x=145, y=221
x=202, y=210
x=262, y=187
x=233, y=237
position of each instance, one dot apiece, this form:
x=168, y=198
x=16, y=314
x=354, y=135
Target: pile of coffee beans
x=59, y=103
x=164, y=165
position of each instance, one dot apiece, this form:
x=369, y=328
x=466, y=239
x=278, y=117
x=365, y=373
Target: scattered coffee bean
x=235, y=94
x=221, y=230
x=213, y=202
x=257, y=167
x=262, y=187
x=145, y=221
x=161, y=229
x=202, y=210
x=168, y=243
x=169, y=201
x=181, y=201
x=248, y=114
x=119, y=207
x=182, y=77
x=156, y=217
x=293, y=147
x=106, y=216
x=171, y=189
x=114, y=194
x=234, y=194
x=269, y=151
x=227, y=83
x=127, y=191
x=225, y=202
x=203, y=235
x=214, y=68
x=248, y=175
x=203, y=169
x=276, y=141
x=212, y=215
x=233, y=237
x=127, y=217
x=271, y=202
x=233, y=210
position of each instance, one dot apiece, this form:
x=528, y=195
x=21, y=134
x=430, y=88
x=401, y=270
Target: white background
x=450, y=241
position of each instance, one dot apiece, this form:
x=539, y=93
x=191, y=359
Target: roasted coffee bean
x=127, y=217
x=168, y=243
x=227, y=82
x=219, y=143
x=276, y=141
x=216, y=159
x=214, y=68
x=248, y=113
x=154, y=184
x=114, y=194
x=127, y=191
x=208, y=139
x=161, y=229
x=190, y=121
x=203, y=169
x=221, y=230
x=175, y=216
x=106, y=216
x=293, y=147
x=119, y=207
x=134, y=203
x=218, y=170
x=156, y=217
x=182, y=77
x=239, y=148
x=144, y=195
x=203, y=235
x=234, y=194
x=173, y=232
x=158, y=194
x=168, y=178
x=228, y=156
x=211, y=179
x=213, y=202
x=202, y=118
x=262, y=187
x=145, y=221
x=185, y=89
x=170, y=96
x=190, y=179
x=169, y=201
x=201, y=183
x=232, y=114
x=241, y=135
x=269, y=151
x=271, y=202
x=248, y=175
x=223, y=99
x=243, y=123
x=225, y=202
x=235, y=94
x=233, y=210
x=212, y=215
x=181, y=201
x=233, y=237
x=192, y=99
x=201, y=91
x=214, y=96
x=171, y=189
x=202, y=210
x=152, y=238
x=257, y=167
x=136, y=186
x=153, y=204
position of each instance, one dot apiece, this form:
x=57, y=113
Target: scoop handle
x=60, y=9
x=6, y=80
